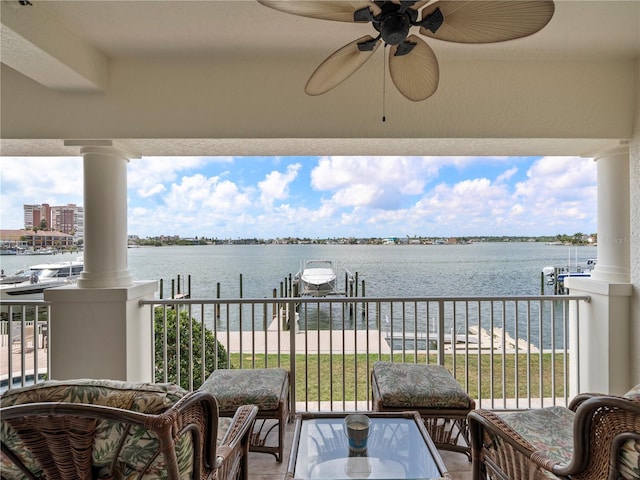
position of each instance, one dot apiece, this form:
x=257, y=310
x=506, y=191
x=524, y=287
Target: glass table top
x=398, y=447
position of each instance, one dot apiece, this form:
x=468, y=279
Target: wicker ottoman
x=430, y=390
x=268, y=389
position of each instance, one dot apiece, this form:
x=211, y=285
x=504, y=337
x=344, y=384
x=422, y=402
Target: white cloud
x=507, y=175
x=145, y=175
x=326, y=197
x=560, y=191
x=276, y=184
x=407, y=175
x=37, y=180
x=154, y=190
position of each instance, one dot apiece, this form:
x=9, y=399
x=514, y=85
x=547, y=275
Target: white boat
x=557, y=275
x=30, y=284
x=317, y=278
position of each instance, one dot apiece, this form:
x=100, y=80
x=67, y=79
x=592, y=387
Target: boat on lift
x=556, y=276
x=29, y=284
x=317, y=278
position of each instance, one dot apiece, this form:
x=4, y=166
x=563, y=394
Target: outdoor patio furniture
x=398, y=446
x=109, y=429
x=431, y=391
x=596, y=438
x=268, y=389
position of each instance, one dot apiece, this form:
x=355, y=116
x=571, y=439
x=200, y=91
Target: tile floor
x=263, y=466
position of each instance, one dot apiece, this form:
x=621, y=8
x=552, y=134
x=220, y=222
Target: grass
x=340, y=377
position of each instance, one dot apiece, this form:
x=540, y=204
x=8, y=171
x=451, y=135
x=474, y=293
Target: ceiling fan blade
x=340, y=10
x=415, y=74
x=488, y=21
x=419, y=4
x=340, y=65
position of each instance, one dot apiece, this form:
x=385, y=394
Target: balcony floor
x=263, y=466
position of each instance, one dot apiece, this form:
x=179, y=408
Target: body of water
x=478, y=269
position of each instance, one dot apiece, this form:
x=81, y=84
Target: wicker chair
x=88, y=429
x=596, y=438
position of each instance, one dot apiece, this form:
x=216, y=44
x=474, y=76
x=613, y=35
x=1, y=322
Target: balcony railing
x=507, y=352
x=24, y=328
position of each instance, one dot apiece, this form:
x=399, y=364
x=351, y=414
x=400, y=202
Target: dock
x=276, y=340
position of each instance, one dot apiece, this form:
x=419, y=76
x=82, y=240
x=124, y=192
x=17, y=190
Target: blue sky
x=324, y=197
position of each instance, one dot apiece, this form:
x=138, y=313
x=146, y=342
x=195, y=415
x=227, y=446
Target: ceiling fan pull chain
x=384, y=83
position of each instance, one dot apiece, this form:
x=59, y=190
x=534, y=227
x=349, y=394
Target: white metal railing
x=24, y=352
x=507, y=352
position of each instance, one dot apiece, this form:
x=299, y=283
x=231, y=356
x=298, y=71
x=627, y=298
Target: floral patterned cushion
x=418, y=386
x=630, y=453
x=634, y=393
x=549, y=430
x=224, y=423
x=139, y=443
x=630, y=460
x=263, y=387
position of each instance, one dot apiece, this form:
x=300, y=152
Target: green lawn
x=350, y=373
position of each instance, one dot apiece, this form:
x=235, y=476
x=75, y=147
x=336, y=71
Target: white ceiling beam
x=36, y=44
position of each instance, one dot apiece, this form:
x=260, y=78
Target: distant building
x=35, y=214
x=67, y=219
x=28, y=239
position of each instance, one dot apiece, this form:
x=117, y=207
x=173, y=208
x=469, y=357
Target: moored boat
x=317, y=278
x=556, y=276
x=29, y=284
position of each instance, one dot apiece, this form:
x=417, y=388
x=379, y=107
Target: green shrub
x=191, y=333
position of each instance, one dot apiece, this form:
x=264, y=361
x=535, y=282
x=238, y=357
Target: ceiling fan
x=412, y=63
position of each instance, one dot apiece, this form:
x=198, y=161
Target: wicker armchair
x=88, y=429
x=596, y=438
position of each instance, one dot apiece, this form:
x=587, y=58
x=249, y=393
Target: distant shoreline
x=577, y=239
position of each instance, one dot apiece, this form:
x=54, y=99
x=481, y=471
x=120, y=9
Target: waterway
x=254, y=271
x=477, y=269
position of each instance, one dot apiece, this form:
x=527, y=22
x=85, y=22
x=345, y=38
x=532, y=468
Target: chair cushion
x=630, y=453
x=139, y=443
x=630, y=460
x=407, y=385
x=264, y=387
x=151, y=398
x=549, y=430
x=634, y=393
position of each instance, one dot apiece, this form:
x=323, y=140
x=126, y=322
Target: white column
x=601, y=336
x=614, y=235
x=105, y=214
x=98, y=328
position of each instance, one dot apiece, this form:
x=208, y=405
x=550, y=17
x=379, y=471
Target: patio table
x=398, y=447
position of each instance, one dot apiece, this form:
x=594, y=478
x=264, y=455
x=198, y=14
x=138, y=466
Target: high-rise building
x=62, y=218
x=35, y=214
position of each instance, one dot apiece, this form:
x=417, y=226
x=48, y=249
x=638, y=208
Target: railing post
x=291, y=306
x=440, y=332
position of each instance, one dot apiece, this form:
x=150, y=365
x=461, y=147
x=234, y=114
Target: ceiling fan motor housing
x=395, y=29
x=394, y=22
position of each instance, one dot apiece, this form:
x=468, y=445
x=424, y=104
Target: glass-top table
x=398, y=447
